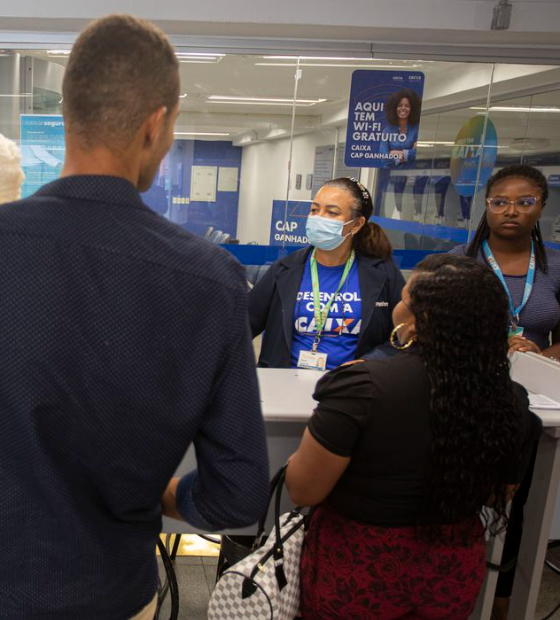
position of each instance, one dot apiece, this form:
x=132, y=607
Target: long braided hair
x=476, y=424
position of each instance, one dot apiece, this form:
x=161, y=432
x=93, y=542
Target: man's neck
x=512, y=247
x=99, y=161
x=336, y=257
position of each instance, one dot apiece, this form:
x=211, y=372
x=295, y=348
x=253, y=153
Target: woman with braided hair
x=401, y=455
x=330, y=303
x=509, y=240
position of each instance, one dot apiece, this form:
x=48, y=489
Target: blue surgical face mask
x=324, y=232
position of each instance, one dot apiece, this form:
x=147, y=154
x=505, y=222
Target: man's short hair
x=121, y=70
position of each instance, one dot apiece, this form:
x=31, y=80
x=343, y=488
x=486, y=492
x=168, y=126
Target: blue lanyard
x=529, y=281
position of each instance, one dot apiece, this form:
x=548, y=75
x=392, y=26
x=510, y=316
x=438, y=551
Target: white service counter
x=539, y=376
x=287, y=405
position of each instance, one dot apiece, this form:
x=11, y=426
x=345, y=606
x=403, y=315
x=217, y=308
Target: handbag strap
x=276, y=486
x=276, y=483
x=278, y=544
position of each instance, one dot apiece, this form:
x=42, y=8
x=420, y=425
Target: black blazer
x=272, y=304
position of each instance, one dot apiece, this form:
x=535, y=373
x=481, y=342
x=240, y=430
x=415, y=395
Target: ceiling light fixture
x=200, y=133
x=430, y=144
x=329, y=64
x=318, y=58
x=263, y=100
x=59, y=52
x=198, y=58
x=514, y=108
x=349, y=58
x=299, y=105
x=198, y=54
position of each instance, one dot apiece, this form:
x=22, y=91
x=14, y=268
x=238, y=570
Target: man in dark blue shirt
x=124, y=339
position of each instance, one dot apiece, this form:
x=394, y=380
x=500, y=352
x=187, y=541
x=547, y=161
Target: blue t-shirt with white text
x=342, y=328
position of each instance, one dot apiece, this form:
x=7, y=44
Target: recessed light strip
x=291, y=103
x=233, y=100
x=336, y=65
x=200, y=133
x=198, y=55
x=268, y=99
x=430, y=144
x=513, y=108
x=198, y=58
x=318, y=58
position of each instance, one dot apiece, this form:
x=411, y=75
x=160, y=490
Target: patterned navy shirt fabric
x=124, y=339
x=542, y=312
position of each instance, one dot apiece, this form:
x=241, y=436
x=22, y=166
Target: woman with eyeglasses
x=330, y=303
x=509, y=240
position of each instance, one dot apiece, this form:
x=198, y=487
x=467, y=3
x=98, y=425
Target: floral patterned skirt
x=356, y=571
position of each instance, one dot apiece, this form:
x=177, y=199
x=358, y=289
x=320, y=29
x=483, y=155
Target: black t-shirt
x=378, y=413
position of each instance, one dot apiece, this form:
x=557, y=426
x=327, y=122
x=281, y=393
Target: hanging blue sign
x=42, y=150
x=383, y=118
x=287, y=225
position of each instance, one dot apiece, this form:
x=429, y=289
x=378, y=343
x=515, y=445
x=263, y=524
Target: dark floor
x=196, y=577
x=549, y=595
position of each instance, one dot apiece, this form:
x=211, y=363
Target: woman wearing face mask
x=331, y=303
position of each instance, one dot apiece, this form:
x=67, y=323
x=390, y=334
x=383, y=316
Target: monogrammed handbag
x=265, y=584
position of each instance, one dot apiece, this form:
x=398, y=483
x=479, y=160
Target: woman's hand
x=522, y=344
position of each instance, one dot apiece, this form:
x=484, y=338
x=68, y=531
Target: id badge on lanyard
x=312, y=360
x=514, y=329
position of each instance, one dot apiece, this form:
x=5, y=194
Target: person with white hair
x=11, y=174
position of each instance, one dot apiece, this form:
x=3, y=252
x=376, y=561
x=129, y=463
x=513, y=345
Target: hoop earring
x=393, y=336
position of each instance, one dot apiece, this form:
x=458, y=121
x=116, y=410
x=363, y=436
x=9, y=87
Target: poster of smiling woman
x=383, y=118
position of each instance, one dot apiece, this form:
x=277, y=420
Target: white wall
x=264, y=178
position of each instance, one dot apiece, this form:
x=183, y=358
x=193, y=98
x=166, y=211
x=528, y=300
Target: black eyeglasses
x=501, y=205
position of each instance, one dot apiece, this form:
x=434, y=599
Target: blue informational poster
x=42, y=150
x=383, y=118
x=287, y=226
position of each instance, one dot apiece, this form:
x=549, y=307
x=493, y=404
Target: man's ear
x=153, y=126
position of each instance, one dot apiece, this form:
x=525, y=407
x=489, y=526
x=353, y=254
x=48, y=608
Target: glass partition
x=529, y=133
x=416, y=200
x=257, y=135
